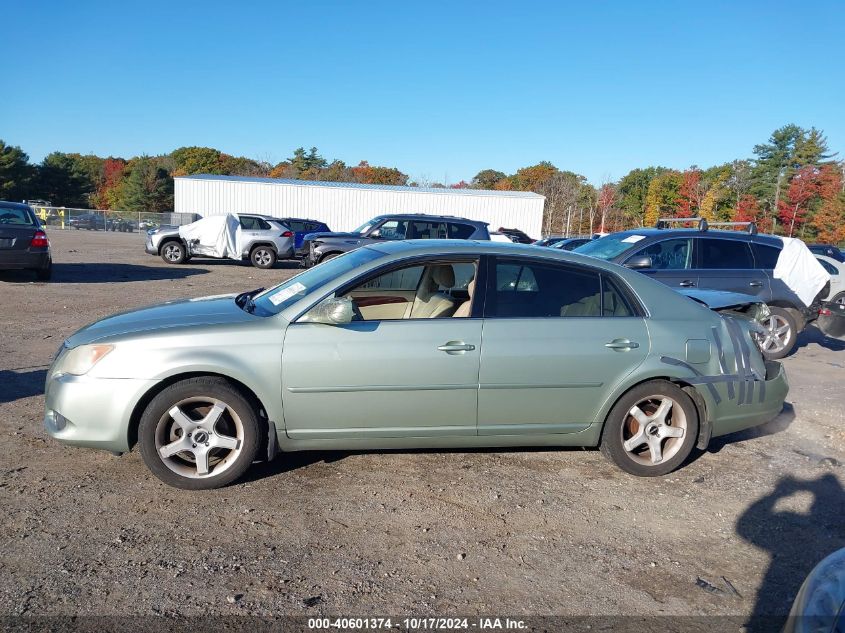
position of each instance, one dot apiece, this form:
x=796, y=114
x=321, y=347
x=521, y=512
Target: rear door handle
x=755, y=284
x=687, y=283
x=456, y=347
x=622, y=344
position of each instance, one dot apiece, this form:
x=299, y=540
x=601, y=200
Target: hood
x=325, y=234
x=215, y=310
x=719, y=299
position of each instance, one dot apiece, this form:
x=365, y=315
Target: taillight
x=287, y=234
x=39, y=240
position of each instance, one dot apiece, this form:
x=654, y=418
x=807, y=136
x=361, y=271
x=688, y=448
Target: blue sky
x=440, y=90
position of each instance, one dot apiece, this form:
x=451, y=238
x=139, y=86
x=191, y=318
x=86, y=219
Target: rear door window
x=675, y=254
x=459, y=231
x=765, y=257
x=427, y=231
x=524, y=289
x=297, y=225
x=724, y=254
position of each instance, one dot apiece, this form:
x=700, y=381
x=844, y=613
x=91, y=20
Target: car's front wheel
x=198, y=434
x=173, y=252
x=651, y=430
x=262, y=257
x=781, y=332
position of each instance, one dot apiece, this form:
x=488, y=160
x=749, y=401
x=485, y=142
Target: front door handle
x=622, y=344
x=755, y=284
x=456, y=347
x=687, y=283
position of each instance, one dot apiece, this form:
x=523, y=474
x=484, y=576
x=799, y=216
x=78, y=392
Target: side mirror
x=331, y=311
x=637, y=263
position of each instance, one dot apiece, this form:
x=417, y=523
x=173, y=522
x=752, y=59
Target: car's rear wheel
x=780, y=334
x=651, y=430
x=44, y=274
x=840, y=298
x=198, y=434
x=173, y=252
x=263, y=257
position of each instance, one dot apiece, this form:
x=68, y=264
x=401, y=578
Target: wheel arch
x=705, y=424
x=255, y=245
x=172, y=238
x=269, y=445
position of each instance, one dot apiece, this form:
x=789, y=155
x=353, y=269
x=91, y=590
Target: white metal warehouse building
x=345, y=206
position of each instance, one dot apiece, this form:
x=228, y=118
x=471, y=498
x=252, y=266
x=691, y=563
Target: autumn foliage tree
x=804, y=186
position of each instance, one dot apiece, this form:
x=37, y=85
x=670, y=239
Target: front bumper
x=149, y=248
x=92, y=412
x=759, y=405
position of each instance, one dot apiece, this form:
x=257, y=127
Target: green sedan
x=417, y=344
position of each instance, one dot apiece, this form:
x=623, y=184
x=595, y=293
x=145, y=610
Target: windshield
x=609, y=246
x=275, y=299
x=366, y=226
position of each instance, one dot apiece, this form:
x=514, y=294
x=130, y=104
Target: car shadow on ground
x=16, y=385
x=288, y=462
x=98, y=273
x=813, y=335
x=797, y=524
x=777, y=425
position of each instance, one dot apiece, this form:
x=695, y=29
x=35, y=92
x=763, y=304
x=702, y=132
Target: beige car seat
x=465, y=308
x=430, y=303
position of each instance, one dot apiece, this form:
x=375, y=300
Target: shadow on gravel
x=813, y=335
x=796, y=541
x=98, y=273
x=14, y=385
x=779, y=424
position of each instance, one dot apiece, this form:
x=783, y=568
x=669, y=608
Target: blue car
x=301, y=227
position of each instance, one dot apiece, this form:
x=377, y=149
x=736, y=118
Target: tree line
x=792, y=184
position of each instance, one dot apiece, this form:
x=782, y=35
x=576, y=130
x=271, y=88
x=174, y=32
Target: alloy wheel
x=172, y=252
x=776, y=336
x=199, y=437
x=654, y=430
x=262, y=257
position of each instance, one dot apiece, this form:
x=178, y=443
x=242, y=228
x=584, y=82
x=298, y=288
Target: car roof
x=483, y=247
x=427, y=216
x=717, y=233
x=13, y=205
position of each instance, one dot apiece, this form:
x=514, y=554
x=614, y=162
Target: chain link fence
x=108, y=220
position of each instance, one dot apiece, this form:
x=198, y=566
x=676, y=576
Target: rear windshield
x=21, y=217
x=277, y=298
x=609, y=246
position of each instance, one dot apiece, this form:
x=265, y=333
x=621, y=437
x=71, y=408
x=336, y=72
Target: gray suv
x=319, y=247
x=734, y=261
x=264, y=240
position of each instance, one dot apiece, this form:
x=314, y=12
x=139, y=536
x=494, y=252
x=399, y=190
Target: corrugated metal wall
x=344, y=209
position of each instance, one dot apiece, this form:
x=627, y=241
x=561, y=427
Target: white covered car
x=258, y=238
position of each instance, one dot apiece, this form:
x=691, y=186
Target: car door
x=728, y=264
x=671, y=262
x=557, y=339
x=381, y=377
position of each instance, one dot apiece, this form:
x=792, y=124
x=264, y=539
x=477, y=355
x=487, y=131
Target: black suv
x=319, y=247
x=734, y=261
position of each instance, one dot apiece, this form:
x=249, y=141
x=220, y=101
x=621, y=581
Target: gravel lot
x=404, y=533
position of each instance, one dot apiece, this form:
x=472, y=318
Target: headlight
x=82, y=359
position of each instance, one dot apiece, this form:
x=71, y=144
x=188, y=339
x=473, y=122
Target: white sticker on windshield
x=286, y=293
x=634, y=238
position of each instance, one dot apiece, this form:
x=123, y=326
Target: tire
x=209, y=409
x=782, y=332
x=262, y=257
x=840, y=298
x=173, y=252
x=44, y=274
x=625, y=440
x=326, y=258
